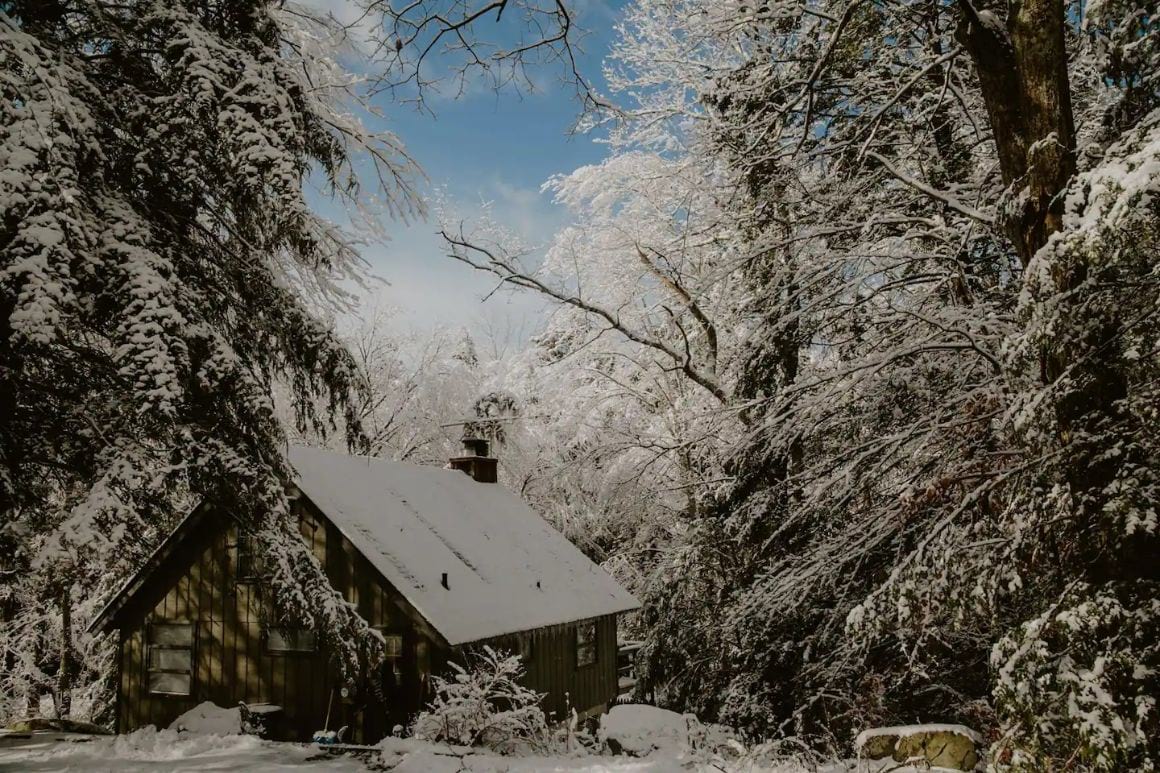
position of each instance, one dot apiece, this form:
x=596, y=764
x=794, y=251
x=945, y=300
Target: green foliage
x=1077, y=686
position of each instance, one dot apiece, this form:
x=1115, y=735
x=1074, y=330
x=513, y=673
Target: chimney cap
x=476, y=461
x=475, y=446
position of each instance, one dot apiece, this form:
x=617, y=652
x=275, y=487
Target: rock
x=878, y=747
x=942, y=746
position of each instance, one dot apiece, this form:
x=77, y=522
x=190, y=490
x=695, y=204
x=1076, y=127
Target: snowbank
x=207, y=738
x=209, y=719
x=50, y=725
x=409, y=756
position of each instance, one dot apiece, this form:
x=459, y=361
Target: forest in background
x=851, y=377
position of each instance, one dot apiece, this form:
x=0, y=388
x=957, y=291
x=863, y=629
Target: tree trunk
x=32, y=701
x=692, y=506
x=9, y=455
x=1022, y=68
x=64, y=674
x=1041, y=54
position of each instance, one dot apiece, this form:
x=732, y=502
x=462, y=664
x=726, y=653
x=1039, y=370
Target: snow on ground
x=168, y=750
x=206, y=739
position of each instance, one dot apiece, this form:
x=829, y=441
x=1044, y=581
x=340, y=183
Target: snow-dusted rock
x=942, y=746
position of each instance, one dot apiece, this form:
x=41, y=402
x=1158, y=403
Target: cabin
x=440, y=561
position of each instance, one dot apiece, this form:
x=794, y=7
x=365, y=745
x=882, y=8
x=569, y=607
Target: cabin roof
x=507, y=570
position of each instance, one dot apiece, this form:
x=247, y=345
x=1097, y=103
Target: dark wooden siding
x=552, y=668
x=198, y=584
x=229, y=650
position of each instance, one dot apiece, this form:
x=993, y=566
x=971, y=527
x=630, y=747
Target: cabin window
x=392, y=646
x=170, y=658
x=291, y=640
x=585, y=644
x=249, y=561
x=307, y=525
x=392, y=658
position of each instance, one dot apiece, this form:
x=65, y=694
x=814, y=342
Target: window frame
x=152, y=646
x=592, y=646
x=392, y=637
x=252, y=571
x=288, y=648
x=307, y=526
x=392, y=659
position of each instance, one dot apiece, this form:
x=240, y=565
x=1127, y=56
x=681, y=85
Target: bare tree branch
x=922, y=187
x=508, y=272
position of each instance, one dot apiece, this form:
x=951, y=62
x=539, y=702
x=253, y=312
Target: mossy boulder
x=941, y=746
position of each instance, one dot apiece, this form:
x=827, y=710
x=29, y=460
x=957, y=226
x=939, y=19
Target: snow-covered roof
x=507, y=569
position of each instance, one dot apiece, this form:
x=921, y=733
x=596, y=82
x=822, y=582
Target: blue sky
x=485, y=147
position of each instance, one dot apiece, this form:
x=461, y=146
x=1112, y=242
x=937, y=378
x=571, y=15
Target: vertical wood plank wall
x=232, y=663
x=552, y=670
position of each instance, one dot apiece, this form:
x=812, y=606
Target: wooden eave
x=104, y=621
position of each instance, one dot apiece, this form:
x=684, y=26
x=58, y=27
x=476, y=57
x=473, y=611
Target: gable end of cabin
x=198, y=630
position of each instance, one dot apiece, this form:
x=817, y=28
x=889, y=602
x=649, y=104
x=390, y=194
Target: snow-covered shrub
x=1082, y=680
x=639, y=730
x=484, y=705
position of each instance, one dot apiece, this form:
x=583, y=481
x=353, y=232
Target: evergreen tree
x=158, y=261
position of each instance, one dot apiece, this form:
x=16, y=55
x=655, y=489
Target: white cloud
x=431, y=290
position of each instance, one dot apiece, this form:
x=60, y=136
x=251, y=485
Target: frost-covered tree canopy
x=907, y=251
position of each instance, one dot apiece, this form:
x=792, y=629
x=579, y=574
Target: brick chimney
x=475, y=460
